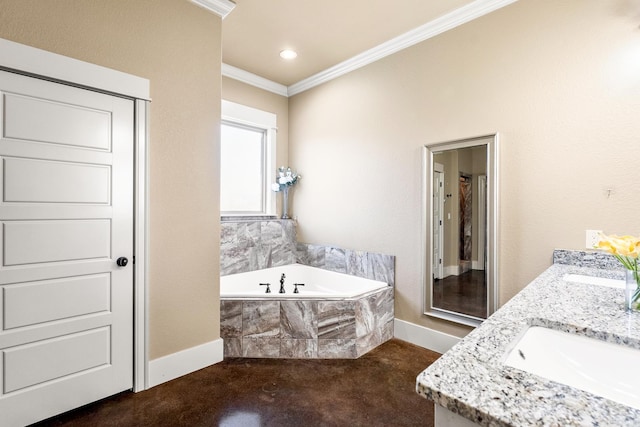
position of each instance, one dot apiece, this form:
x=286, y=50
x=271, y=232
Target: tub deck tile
x=298, y=319
x=337, y=349
x=261, y=319
x=382, y=268
x=232, y=347
x=299, y=349
x=335, y=260
x=365, y=316
x=368, y=342
x=236, y=259
x=312, y=255
x=261, y=347
x=383, y=306
x=336, y=320
x=231, y=319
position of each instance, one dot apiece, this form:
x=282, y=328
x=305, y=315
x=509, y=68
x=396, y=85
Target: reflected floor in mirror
x=378, y=389
x=466, y=293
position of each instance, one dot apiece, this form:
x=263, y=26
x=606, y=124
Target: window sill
x=238, y=218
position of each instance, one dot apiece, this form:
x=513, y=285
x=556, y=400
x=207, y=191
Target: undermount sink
x=598, y=367
x=592, y=280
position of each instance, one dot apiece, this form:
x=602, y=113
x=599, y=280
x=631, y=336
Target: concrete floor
x=377, y=389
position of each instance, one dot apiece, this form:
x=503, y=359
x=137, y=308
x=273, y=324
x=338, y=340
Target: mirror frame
x=428, y=150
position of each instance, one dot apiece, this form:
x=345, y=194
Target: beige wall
x=560, y=81
x=176, y=45
x=251, y=96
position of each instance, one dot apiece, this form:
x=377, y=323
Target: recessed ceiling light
x=288, y=54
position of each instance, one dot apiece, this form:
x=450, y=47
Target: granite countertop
x=472, y=380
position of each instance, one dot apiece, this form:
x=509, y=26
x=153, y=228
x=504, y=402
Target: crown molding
x=220, y=7
x=253, y=80
x=444, y=23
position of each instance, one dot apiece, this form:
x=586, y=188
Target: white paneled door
x=66, y=228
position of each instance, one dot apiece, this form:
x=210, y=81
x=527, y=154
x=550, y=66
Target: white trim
x=141, y=246
x=451, y=270
x=184, y=362
x=253, y=80
x=242, y=114
x=47, y=65
x=481, y=239
x=491, y=142
x=220, y=7
x=432, y=28
x=424, y=337
x=455, y=317
x=477, y=265
x=38, y=62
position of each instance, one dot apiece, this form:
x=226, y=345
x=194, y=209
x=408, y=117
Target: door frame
x=30, y=61
x=482, y=221
x=439, y=200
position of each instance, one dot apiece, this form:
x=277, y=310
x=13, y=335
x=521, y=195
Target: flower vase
x=632, y=291
x=285, y=203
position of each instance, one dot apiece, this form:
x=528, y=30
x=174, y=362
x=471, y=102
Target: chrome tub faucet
x=282, y=283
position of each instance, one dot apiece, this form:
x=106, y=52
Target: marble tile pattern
x=301, y=329
x=253, y=245
x=308, y=329
x=472, y=380
x=356, y=263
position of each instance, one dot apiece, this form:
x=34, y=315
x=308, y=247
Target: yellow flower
x=628, y=246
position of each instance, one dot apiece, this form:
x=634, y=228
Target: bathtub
x=318, y=283
x=334, y=315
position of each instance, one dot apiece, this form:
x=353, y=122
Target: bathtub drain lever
x=268, y=291
x=295, y=287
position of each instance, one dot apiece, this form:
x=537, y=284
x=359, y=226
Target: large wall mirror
x=459, y=229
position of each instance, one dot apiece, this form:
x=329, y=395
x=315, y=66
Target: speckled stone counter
x=471, y=379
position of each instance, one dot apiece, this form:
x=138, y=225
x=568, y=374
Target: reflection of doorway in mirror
x=465, y=220
x=438, y=221
x=481, y=263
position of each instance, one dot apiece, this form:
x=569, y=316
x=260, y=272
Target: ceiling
x=324, y=33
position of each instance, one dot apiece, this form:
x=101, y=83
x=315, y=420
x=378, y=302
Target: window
x=247, y=161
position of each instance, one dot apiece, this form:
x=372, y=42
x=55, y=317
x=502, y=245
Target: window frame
x=249, y=117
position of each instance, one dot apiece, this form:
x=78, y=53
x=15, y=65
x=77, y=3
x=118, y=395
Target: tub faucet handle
x=295, y=287
x=268, y=291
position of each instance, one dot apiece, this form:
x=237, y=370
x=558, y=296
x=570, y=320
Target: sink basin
x=592, y=280
x=604, y=369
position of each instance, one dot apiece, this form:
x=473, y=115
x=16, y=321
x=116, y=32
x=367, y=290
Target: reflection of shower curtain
x=465, y=218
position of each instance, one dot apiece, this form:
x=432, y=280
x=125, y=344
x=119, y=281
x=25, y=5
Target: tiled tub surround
x=355, y=263
x=306, y=328
x=254, y=245
x=471, y=379
x=296, y=281
x=332, y=328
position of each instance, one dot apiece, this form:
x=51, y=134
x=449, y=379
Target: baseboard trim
x=451, y=270
x=184, y=362
x=477, y=265
x=424, y=337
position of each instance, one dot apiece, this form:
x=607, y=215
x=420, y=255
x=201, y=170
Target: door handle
x=122, y=261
